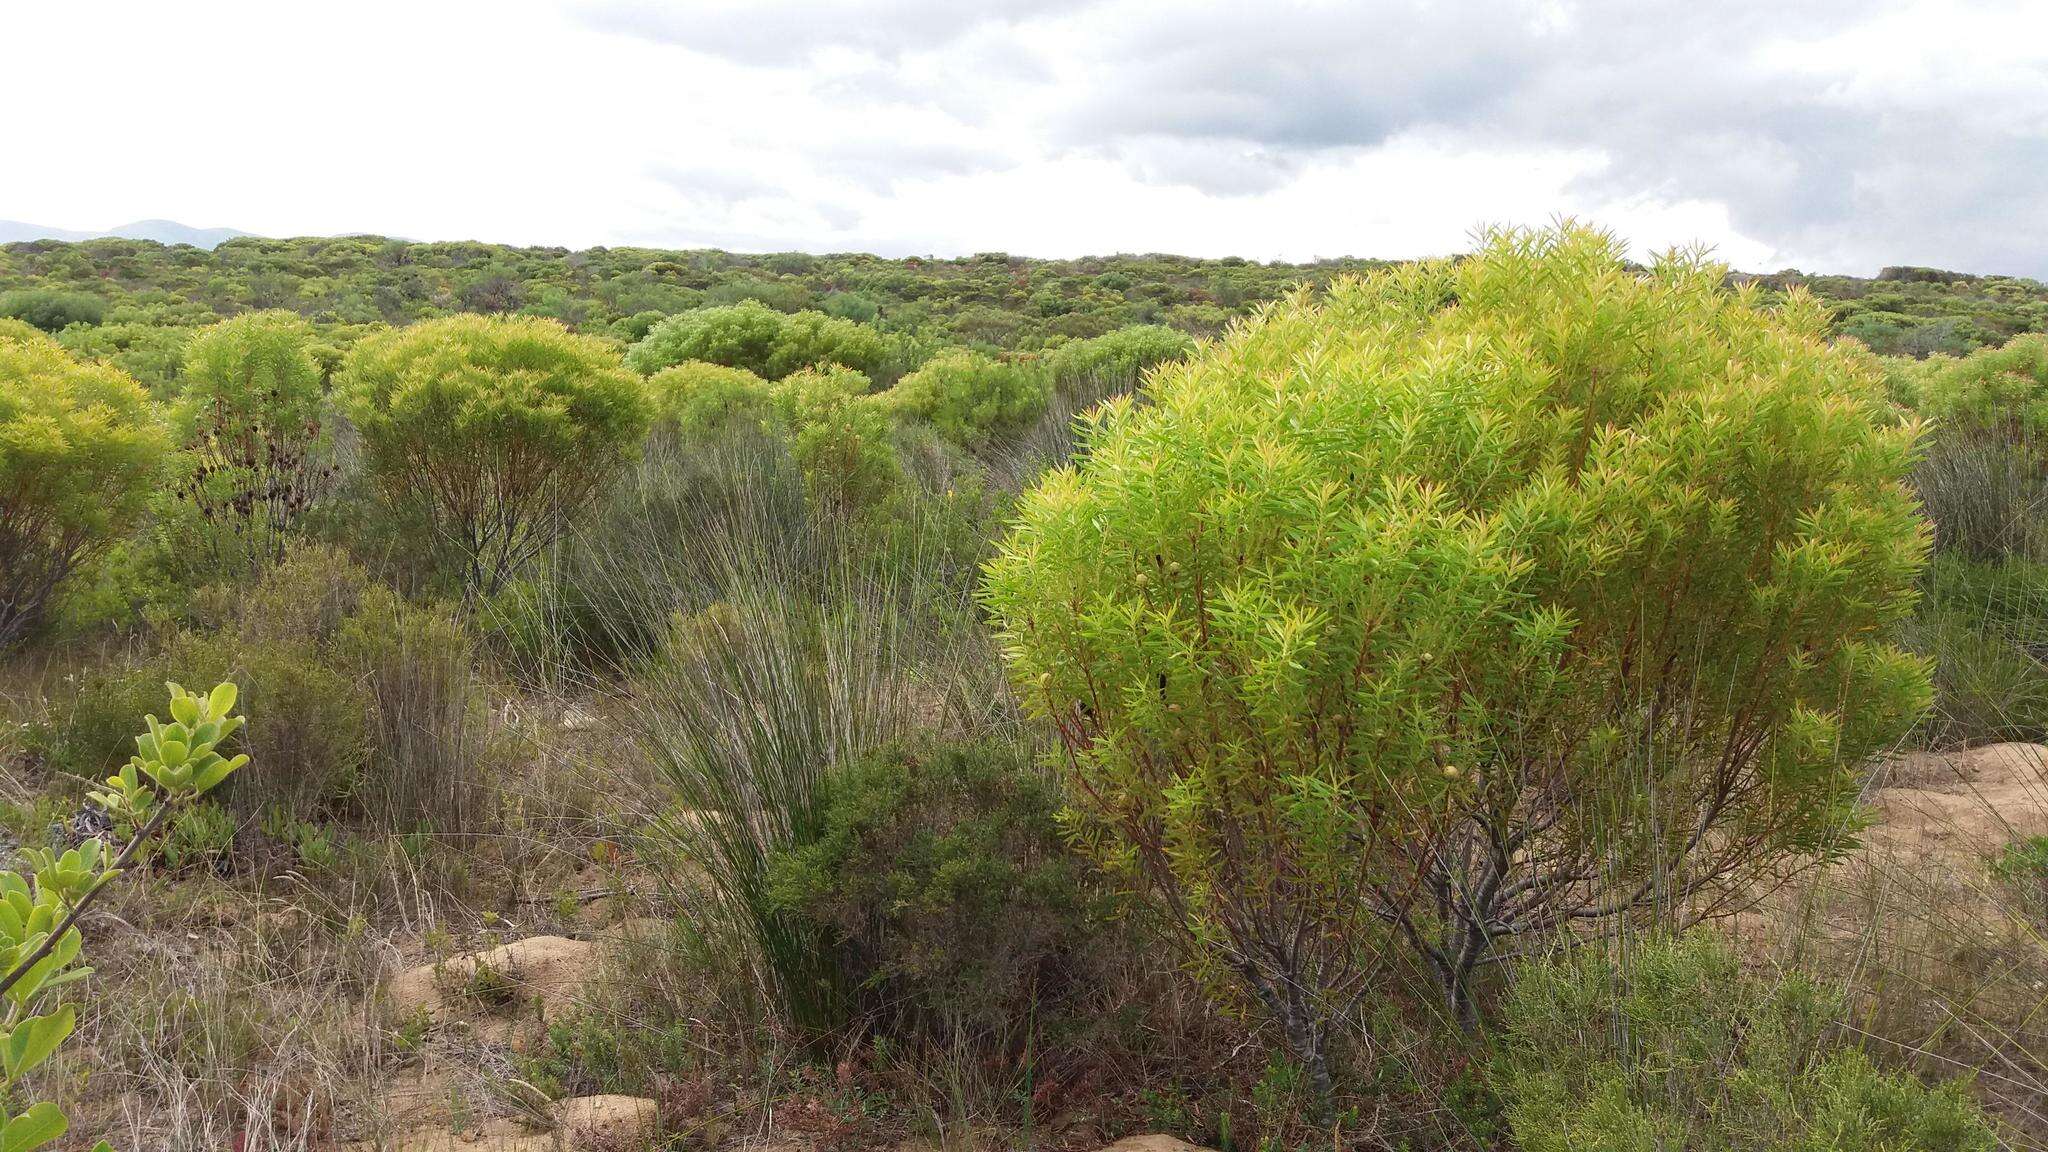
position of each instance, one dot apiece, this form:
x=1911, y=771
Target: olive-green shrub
x=496, y=430
x=80, y=449
x=972, y=399
x=1676, y=1047
x=276, y=638
x=1467, y=601
x=52, y=310
x=941, y=881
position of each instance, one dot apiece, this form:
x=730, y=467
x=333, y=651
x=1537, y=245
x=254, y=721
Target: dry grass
x=1945, y=968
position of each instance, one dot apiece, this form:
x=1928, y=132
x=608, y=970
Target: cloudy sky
x=1837, y=135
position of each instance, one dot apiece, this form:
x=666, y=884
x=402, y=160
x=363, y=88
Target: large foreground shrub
x=495, y=429
x=1679, y=1048
x=80, y=447
x=1471, y=601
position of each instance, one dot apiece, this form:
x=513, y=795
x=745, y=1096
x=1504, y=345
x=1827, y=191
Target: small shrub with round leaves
x=174, y=766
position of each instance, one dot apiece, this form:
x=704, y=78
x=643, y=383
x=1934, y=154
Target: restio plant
x=972, y=399
x=80, y=449
x=1984, y=477
x=1675, y=1046
x=768, y=343
x=174, y=766
x=1467, y=602
x=495, y=429
x=251, y=416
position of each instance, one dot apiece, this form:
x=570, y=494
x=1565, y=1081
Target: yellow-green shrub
x=840, y=436
x=496, y=428
x=1470, y=600
x=700, y=398
x=253, y=424
x=80, y=449
x=971, y=398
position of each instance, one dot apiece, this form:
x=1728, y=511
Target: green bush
x=80, y=450
x=1984, y=476
x=1677, y=1048
x=755, y=337
x=841, y=437
x=154, y=355
x=1438, y=602
x=698, y=398
x=971, y=398
x=497, y=429
x=1114, y=362
x=52, y=310
x=252, y=421
x=942, y=880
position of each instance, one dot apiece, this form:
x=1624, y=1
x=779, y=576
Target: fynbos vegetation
x=1534, y=700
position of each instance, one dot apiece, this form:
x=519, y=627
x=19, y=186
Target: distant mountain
x=161, y=231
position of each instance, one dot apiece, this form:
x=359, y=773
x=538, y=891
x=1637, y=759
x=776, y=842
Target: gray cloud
x=1926, y=145
x=879, y=161
x=716, y=185
x=785, y=32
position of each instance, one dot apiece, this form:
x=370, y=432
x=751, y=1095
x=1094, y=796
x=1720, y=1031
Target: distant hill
x=161, y=231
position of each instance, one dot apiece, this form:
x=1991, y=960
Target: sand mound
x=1967, y=803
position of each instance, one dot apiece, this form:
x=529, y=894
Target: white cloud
x=1829, y=134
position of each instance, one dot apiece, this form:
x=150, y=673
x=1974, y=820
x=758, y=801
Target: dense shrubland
x=1019, y=720
x=135, y=303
